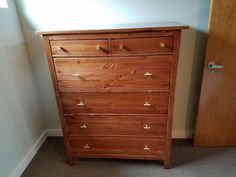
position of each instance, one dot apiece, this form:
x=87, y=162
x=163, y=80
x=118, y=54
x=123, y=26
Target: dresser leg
x=166, y=164
x=71, y=160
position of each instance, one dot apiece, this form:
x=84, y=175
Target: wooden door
x=216, y=120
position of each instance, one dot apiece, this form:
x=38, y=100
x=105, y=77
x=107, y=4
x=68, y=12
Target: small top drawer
x=79, y=47
x=143, y=45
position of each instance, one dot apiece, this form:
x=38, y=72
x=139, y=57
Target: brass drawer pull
x=98, y=47
x=147, y=104
x=146, y=148
x=148, y=74
x=61, y=48
x=121, y=46
x=75, y=75
x=86, y=146
x=146, y=127
x=163, y=45
x=83, y=126
x=81, y=103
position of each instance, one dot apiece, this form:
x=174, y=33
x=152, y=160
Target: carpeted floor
x=187, y=161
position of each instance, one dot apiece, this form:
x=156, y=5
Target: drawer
x=117, y=146
x=115, y=102
x=143, y=45
x=103, y=125
x=114, y=73
x=79, y=47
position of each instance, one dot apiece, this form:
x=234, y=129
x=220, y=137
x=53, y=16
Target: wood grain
x=121, y=28
x=142, y=45
x=114, y=73
x=110, y=125
x=115, y=102
x=58, y=99
x=79, y=47
x=125, y=35
x=104, y=98
x=117, y=146
x=216, y=118
x=167, y=161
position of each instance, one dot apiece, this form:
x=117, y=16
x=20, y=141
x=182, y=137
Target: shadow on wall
x=20, y=90
x=196, y=78
x=198, y=64
x=188, y=80
x=38, y=62
x=188, y=77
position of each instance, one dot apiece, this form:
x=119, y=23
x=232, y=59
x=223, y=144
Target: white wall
x=27, y=102
x=20, y=124
x=73, y=14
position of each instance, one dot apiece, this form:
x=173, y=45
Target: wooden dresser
x=115, y=89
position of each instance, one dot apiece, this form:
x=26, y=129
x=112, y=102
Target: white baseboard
x=17, y=172
x=53, y=132
x=182, y=134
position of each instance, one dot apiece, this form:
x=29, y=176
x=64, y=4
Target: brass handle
x=148, y=74
x=83, y=126
x=60, y=48
x=86, y=146
x=146, y=127
x=147, y=104
x=75, y=75
x=146, y=148
x=81, y=103
x=98, y=47
x=162, y=45
x=121, y=46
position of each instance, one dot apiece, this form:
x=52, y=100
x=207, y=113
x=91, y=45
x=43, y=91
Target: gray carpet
x=187, y=161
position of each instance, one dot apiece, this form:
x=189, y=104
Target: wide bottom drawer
x=117, y=146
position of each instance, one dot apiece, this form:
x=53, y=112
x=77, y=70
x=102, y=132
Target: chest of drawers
x=115, y=89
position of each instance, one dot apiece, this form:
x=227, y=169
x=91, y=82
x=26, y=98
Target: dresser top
x=112, y=28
